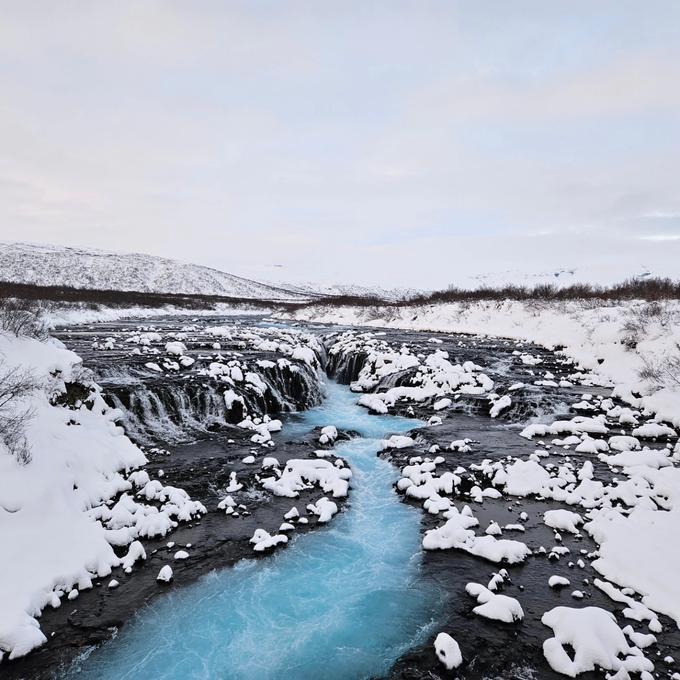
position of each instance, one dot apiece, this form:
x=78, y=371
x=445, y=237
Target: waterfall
x=174, y=409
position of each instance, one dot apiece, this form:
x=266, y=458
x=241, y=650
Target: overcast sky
x=402, y=143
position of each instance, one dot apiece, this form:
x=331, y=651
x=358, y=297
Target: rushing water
x=342, y=602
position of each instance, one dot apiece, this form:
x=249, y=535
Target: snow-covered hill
x=48, y=265
x=350, y=289
x=604, y=275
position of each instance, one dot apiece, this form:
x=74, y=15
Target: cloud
x=400, y=142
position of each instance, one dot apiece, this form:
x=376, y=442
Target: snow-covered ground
x=56, y=529
x=82, y=505
x=48, y=265
x=314, y=288
x=70, y=314
x=561, y=277
x=633, y=346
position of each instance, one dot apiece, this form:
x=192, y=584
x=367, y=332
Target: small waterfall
x=350, y=597
x=345, y=366
x=396, y=379
x=174, y=409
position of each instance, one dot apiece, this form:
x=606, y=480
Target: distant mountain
x=353, y=290
x=562, y=277
x=47, y=265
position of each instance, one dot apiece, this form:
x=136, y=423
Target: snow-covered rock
x=165, y=574
x=596, y=640
x=493, y=606
x=448, y=651
x=263, y=540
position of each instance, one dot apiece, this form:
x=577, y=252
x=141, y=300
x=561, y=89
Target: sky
x=411, y=144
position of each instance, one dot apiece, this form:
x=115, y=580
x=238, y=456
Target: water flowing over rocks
x=176, y=380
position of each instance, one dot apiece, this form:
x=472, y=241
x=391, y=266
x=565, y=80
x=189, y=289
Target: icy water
x=345, y=601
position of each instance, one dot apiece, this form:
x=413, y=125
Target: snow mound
x=448, y=651
x=494, y=606
x=596, y=639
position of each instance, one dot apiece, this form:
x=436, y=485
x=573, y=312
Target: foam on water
x=343, y=602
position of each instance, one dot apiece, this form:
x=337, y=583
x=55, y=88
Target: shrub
x=22, y=318
x=15, y=385
x=665, y=373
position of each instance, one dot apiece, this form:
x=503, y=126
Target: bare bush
x=665, y=373
x=22, y=318
x=652, y=290
x=15, y=385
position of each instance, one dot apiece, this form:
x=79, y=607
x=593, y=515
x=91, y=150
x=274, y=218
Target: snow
x=165, y=574
x=441, y=404
x=596, y=639
x=65, y=510
x=633, y=518
x=623, y=443
x=324, y=509
x=448, y=651
x=47, y=265
x=262, y=540
x=292, y=513
x=493, y=606
x=593, y=333
x=563, y=520
x=457, y=533
x=654, y=430
x=558, y=581
x=373, y=403
x=397, y=441
x=135, y=552
x=175, y=348
x=500, y=405
x=299, y=474
x=524, y=477
x=328, y=435
x=638, y=549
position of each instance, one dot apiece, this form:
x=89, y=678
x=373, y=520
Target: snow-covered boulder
x=448, y=651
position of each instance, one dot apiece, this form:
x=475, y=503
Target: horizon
x=554, y=279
